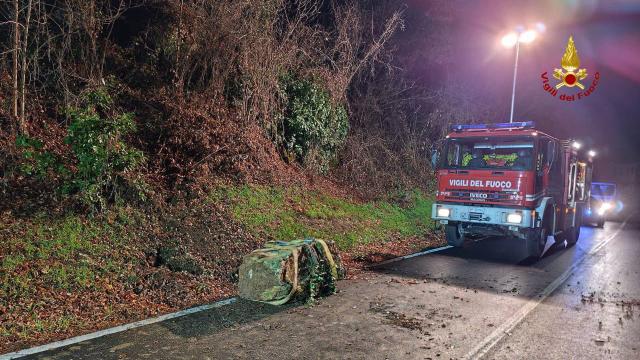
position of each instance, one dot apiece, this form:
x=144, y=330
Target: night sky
x=607, y=37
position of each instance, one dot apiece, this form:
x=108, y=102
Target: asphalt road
x=481, y=301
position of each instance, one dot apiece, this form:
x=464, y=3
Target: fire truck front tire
x=454, y=235
x=536, y=241
x=573, y=235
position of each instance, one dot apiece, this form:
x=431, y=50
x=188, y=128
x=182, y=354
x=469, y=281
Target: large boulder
x=283, y=271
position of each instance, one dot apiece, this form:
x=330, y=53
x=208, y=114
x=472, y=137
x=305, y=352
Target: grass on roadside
x=42, y=256
x=289, y=213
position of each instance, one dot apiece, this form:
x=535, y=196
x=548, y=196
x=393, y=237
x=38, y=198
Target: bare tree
x=23, y=70
x=358, y=45
x=16, y=55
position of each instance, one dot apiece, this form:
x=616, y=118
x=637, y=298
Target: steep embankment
x=63, y=276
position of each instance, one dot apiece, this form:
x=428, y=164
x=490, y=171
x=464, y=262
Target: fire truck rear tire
x=536, y=241
x=454, y=235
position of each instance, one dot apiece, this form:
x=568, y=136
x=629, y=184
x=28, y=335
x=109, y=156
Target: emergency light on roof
x=514, y=125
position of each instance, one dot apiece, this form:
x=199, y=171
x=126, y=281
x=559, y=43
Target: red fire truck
x=510, y=180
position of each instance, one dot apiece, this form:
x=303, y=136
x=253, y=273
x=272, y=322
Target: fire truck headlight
x=514, y=218
x=443, y=212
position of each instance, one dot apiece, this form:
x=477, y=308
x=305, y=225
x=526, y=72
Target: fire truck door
x=552, y=174
x=542, y=165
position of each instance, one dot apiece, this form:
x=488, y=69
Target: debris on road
x=402, y=320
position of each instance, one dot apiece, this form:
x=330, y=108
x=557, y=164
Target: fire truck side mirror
x=435, y=156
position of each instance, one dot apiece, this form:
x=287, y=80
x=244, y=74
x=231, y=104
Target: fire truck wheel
x=559, y=238
x=572, y=236
x=536, y=241
x=454, y=235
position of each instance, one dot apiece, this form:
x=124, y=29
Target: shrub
x=100, y=159
x=313, y=127
x=37, y=161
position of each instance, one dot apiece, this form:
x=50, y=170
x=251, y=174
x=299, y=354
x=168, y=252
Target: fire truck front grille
x=475, y=216
x=482, y=196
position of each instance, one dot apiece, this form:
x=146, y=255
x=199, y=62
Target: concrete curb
x=410, y=256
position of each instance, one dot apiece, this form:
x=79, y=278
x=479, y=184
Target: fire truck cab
x=510, y=180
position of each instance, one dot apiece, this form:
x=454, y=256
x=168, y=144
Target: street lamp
x=514, y=38
x=592, y=153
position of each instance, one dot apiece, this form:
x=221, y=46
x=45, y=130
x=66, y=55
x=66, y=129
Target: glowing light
x=528, y=36
x=576, y=145
x=592, y=153
x=509, y=40
x=443, y=212
x=541, y=27
x=604, y=208
x=514, y=218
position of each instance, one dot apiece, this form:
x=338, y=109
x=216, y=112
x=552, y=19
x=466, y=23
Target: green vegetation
x=66, y=254
x=102, y=156
x=101, y=160
x=314, y=128
x=286, y=214
x=36, y=161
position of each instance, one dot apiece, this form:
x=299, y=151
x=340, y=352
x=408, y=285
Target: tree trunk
x=16, y=53
x=25, y=45
x=178, y=74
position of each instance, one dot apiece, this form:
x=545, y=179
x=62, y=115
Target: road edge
x=409, y=256
x=116, y=329
x=121, y=328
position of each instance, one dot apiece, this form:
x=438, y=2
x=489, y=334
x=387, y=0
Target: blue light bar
x=461, y=127
x=514, y=125
x=520, y=124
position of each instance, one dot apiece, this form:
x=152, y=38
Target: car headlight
x=604, y=208
x=514, y=218
x=443, y=212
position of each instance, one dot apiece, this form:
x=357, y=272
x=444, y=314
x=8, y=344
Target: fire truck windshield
x=507, y=153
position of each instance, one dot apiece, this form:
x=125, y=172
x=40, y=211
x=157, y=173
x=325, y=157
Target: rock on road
x=478, y=301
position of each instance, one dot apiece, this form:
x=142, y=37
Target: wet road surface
x=481, y=301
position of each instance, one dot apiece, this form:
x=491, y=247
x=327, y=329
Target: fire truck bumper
x=501, y=216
